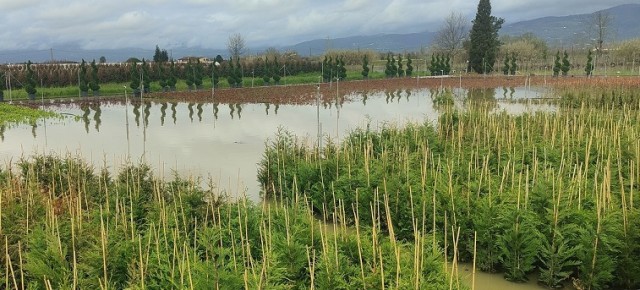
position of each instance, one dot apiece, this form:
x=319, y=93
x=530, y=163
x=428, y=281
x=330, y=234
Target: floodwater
x=496, y=281
x=220, y=142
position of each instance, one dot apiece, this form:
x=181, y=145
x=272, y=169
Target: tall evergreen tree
x=434, y=65
x=365, y=67
x=589, y=67
x=400, y=69
x=171, y=79
x=484, y=43
x=275, y=70
x=446, y=66
x=266, y=70
x=387, y=69
x=409, y=70
x=134, y=76
x=505, y=65
x=566, y=65
x=82, y=78
x=93, y=83
x=146, y=76
x=30, y=82
x=342, y=71
x=557, y=65
x=160, y=55
x=514, y=65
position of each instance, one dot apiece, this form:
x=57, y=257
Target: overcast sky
x=110, y=24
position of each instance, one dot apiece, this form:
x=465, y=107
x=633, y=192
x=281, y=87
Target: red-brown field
x=305, y=94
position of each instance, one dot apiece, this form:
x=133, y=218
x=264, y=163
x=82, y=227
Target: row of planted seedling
x=66, y=226
x=551, y=193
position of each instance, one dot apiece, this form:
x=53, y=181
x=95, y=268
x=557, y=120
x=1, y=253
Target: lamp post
x=213, y=84
x=126, y=116
x=318, y=115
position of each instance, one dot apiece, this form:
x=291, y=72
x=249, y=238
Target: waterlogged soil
x=496, y=281
x=307, y=94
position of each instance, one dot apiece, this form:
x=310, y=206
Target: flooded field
x=222, y=142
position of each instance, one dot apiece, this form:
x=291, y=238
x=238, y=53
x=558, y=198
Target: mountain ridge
x=565, y=31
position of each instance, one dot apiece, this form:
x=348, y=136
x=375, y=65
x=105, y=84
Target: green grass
x=18, y=114
x=112, y=89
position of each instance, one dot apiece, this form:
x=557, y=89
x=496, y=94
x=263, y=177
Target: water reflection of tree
x=364, y=98
x=275, y=110
x=190, y=106
x=163, y=113
x=173, y=111
x=215, y=110
x=513, y=91
x=232, y=109
x=147, y=112
x=34, y=127
x=136, y=112
x=504, y=92
x=97, y=116
x=199, y=108
x=266, y=108
x=407, y=94
x=3, y=128
x=482, y=97
x=239, y=109
x=85, y=115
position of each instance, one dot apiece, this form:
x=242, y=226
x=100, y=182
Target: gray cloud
x=106, y=24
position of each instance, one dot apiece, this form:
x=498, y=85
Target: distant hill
x=378, y=42
x=556, y=30
x=573, y=29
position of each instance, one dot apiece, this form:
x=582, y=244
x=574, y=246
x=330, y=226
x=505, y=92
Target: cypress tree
x=342, y=71
x=514, y=65
x=557, y=65
x=30, y=83
x=146, y=76
x=326, y=69
x=447, y=65
x=409, y=70
x=171, y=79
x=82, y=78
x=387, y=69
x=365, y=67
x=275, y=71
x=93, y=84
x=483, y=37
x=394, y=67
x=266, y=75
x=566, y=65
x=433, y=66
x=589, y=67
x=505, y=66
x=400, y=69
x=189, y=74
x=238, y=73
x=134, y=77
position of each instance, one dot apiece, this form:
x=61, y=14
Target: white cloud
x=33, y=24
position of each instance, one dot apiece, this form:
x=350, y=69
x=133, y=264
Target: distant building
x=194, y=59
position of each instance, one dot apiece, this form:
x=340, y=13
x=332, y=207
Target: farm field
x=542, y=183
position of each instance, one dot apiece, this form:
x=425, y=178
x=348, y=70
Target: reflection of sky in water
x=197, y=144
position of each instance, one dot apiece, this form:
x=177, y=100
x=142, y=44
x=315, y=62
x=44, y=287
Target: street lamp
x=213, y=84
